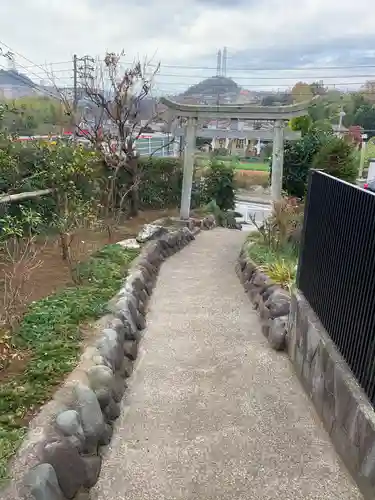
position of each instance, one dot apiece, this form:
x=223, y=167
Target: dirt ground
x=52, y=273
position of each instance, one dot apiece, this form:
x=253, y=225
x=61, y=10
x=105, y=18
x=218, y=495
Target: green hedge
x=161, y=182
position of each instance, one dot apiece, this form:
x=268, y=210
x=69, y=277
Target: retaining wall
x=341, y=404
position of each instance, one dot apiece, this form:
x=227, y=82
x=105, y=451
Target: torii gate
x=194, y=113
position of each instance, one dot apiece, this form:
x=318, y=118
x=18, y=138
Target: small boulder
x=68, y=423
x=117, y=325
x=277, y=333
x=112, y=411
x=119, y=389
x=278, y=303
x=106, y=436
x=41, y=483
x=100, y=376
x=104, y=396
x=93, y=464
x=68, y=465
x=109, y=347
x=150, y=232
x=126, y=368
x=131, y=243
x=90, y=413
x=131, y=349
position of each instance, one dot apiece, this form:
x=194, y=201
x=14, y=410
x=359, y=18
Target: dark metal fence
x=337, y=269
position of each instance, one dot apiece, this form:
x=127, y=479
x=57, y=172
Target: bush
x=161, y=182
x=337, y=157
x=298, y=159
x=219, y=185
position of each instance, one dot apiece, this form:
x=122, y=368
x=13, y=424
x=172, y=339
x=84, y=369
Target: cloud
x=273, y=34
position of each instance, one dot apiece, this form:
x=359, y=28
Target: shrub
x=298, y=159
x=219, y=185
x=282, y=272
x=337, y=157
x=161, y=182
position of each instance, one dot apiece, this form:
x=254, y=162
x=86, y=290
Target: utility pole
x=75, y=97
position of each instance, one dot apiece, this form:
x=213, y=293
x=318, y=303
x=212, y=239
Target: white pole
x=277, y=161
x=187, y=181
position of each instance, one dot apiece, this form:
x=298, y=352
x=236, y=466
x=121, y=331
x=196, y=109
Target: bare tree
x=20, y=257
x=110, y=120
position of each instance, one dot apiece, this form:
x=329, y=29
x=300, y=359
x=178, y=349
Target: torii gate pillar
x=277, y=160
x=187, y=182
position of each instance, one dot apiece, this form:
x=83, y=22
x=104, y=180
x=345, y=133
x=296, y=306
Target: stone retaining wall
x=270, y=299
x=62, y=449
x=341, y=404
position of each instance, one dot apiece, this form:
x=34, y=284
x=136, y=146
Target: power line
x=287, y=85
x=257, y=68
x=174, y=75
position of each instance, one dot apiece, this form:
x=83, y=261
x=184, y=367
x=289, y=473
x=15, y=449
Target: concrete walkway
x=212, y=413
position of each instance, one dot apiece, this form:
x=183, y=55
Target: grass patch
x=50, y=332
x=255, y=167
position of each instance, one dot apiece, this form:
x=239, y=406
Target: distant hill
x=12, y=78
x=213, y=86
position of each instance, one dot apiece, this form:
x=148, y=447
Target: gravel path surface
x=212, y=412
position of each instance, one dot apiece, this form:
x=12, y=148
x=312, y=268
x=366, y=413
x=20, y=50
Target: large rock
x=150, y=232
x=90, y=414
x=112, y=411
x=123, y=311
x=135, y=282
x=126, y=368
x=68, y=423
x=117, y=325
x=100, y=377
x=93, y=464
x=131, y=349
x=108, y=346
x=208, y=222
x=119, y=389
x=68, y=465
x=278, y=303
x=104, y=396
x=41, y=483
x=130, y=243
x=107, y=435
x=277, y=333
x=152, y=253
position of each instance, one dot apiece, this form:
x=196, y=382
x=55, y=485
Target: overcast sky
x=273, y=35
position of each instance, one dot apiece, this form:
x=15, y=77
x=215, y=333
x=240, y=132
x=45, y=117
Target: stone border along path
x=61, y=456
x=212, y=412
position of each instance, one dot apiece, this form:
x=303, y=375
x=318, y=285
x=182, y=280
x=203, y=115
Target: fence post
x=305, y=222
